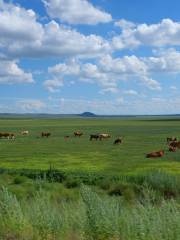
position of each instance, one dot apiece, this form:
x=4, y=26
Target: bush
x=20, y=179
x=123, y=189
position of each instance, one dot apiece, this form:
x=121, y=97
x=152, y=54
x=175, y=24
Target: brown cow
x=155, y=154
x=117, y=141
x=175, y=144
x=7, y=135
x=45, y=134
x=172, y=149
x=78, y=134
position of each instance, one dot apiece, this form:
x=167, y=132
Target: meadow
x=140, y=136
x=76, y=189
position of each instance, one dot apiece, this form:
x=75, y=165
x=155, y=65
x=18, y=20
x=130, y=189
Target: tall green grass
x=92, y=217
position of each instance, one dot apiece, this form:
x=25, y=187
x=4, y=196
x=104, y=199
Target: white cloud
x=30, y=105
x=129, y=67
x=72, y=67
x=21, y=35
x=92, y=73
x=165, y=33
x=107, y=72
x=130, y=92
x=11, y=73
x=151, y=83
x=52, y=85
x=76, y=12
x=167, y=61
x=60, y=41
x=124, y=24
x=108, y=90
x=17, y=23
x=126, y=65
x=85, y=72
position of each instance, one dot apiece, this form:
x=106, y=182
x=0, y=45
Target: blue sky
x=107, y=57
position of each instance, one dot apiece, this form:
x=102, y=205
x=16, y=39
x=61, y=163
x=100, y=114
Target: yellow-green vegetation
x=140, y=136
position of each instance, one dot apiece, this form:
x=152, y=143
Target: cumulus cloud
x=107, y=72
x=167, y=61
x=11, y=73
x=165, y=33
x=71, y=67
x=53, y=85
x=129, y=67
x=85, y=72
x=17, y=23
x=21, y=35
x=61, y=41
x=76, y=12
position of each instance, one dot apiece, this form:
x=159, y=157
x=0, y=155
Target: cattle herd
x=172, y=142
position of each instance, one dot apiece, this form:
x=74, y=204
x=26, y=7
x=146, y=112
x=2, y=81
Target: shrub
x=123, y=189
x=19, y=179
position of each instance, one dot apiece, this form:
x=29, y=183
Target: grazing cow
x=45, y=134
x=94, y=136
x=104, y=136
x=172, y=149
x=117, y=141
x=175, y=144
x=155, y=154
x=171, y=139
x=7, y=135
x=25, y=133
x=78, y=134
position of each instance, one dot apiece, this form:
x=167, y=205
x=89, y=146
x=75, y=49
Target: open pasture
x=140, y=136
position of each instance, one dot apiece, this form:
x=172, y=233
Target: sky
x=102, y=56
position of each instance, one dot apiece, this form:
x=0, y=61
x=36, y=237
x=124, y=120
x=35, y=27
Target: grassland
x=56, y=189
x=79, y=154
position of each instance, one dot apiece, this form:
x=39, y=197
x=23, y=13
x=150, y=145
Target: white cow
x=104, y=136
x=25, y=132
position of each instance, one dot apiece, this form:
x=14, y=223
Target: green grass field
x=79, y=154
x=88, y=198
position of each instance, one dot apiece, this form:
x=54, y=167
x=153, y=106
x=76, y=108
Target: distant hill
x=87, y=114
